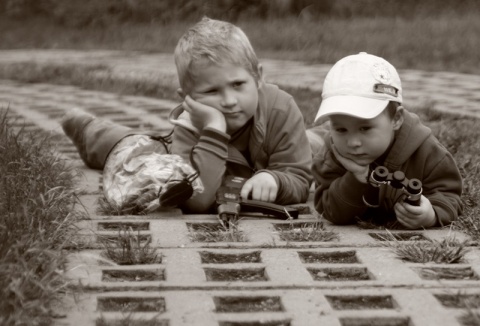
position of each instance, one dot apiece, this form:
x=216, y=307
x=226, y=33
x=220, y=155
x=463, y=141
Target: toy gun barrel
x=228, y=213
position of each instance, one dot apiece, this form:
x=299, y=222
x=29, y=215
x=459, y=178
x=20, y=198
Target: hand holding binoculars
x=412, y=188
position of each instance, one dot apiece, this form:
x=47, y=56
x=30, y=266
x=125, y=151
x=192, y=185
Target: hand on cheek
x=359, y=171
x=203, y=116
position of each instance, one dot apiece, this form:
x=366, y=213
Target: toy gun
x=231, y=204
x=381, y=176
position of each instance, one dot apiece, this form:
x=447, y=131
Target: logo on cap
x=385, y=89
x=381, y=73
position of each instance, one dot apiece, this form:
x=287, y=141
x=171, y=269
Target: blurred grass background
x=411, y=34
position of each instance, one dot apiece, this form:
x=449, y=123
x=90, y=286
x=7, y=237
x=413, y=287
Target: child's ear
x=260, y=75
x=181, y=93
x=398, y=118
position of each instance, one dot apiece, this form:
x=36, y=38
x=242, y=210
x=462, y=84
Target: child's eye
x=238, y=83
x=366, y=128
x=340, y=130
x=210, y=91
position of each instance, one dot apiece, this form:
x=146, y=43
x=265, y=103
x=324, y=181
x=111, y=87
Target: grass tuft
x=218, y=233
x=128, y=320
x=37, y=218
x=105, y=207
x=447, y=251
x=309, y=231
x=129, y=249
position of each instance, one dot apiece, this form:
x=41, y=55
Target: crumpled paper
x=138, y=169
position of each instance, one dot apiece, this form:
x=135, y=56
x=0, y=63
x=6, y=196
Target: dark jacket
x=277, y=144
x=416, y=152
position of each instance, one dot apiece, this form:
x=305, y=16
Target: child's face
x=229, y=88
x=362, y=140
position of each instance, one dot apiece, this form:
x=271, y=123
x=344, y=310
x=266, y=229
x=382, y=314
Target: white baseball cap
x=361, y=86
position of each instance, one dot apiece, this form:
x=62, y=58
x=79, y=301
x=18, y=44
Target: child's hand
x=262, y=186
x=203, y=116
x=415, y=217
x=359, y=171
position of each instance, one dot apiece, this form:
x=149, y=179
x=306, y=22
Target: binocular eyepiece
x=412, y=188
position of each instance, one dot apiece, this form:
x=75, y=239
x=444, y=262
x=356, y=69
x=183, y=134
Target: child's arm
x=204, y=116
x=287, y=153
x=208, y=154
x=442, y=187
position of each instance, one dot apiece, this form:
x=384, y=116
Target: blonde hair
x=217, y=42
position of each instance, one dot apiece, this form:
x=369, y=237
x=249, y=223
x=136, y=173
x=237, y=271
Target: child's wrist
x=217, y=125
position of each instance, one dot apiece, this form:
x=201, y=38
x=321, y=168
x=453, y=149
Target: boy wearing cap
x=362, y=97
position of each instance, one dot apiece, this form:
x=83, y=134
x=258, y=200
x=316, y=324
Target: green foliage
x=129, y=320
x=317, y=40
x=460, y=135
x=128, y=249
x=447, y=251
x=36, y=201
x=81, y=13
x=107, y=208
x=309, y=231
x=218, y=233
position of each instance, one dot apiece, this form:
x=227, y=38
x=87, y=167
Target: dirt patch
x=119, y=226
x=131, y=304
x=335, y=257
x=232, y=275
x=128, y=321
x=254, y=323
x=385, y=321
x=446, y=273
x=360, y=302
x=339, y=274
x=115, y=275
x=247, y=304
x=459, y=300
x=208, y=257
x=143, y=238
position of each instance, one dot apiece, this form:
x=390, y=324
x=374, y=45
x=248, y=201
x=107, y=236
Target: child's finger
x=406, y=223
x=246, y=189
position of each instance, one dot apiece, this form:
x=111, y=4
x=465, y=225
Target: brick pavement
x=446, y=91
x=353, y=279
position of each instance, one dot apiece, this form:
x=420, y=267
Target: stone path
x=352, y=280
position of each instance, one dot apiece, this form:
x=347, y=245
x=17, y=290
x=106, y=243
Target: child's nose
x=354, y=141
x=228, y=99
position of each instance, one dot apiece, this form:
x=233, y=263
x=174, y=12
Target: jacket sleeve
x=290, y=155
x=443, y=187
x=338, y=194
x=208, y=155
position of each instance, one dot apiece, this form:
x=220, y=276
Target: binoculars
x=379, y=177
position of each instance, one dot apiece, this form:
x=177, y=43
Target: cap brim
x=355, y=106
